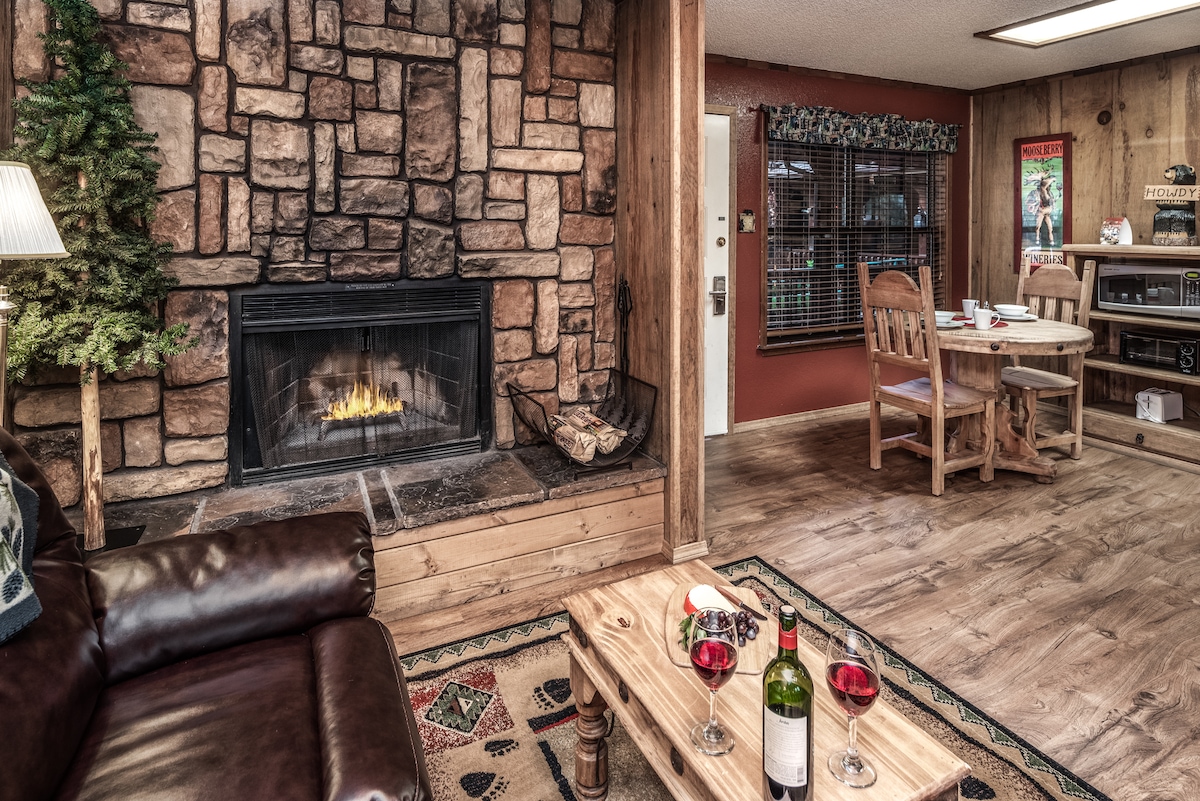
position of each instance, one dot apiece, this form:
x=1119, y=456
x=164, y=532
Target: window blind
x=830, y=207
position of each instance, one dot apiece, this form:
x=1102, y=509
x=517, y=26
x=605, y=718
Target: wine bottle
x=787, y=719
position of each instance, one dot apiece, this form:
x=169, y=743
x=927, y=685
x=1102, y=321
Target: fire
x=364, y=401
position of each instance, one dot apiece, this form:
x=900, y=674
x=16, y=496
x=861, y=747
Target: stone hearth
x=449, y=531
x=395, y=499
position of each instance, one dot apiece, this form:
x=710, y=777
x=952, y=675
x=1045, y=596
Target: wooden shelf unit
x=1141, y=320
x=1110, y=387
x=1109, y=363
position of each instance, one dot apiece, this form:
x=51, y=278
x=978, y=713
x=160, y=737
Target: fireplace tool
x=624, y=307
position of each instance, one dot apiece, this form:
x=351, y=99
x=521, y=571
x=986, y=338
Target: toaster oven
x=1165, y=351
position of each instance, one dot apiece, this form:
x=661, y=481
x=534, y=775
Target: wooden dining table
x=977, y=357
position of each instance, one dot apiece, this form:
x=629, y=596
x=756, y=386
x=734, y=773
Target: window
x=830, y=207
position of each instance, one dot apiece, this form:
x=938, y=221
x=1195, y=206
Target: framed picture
x=1043, y=202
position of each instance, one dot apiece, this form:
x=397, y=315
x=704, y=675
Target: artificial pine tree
x=98, y=309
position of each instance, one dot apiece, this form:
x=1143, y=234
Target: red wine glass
x=712, y=646
x=852, y=673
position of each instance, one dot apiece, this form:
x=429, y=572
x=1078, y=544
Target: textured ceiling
x=924, y=41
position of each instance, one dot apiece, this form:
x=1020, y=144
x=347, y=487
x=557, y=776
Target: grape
x=751, y=634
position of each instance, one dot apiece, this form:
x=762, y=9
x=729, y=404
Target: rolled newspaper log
x=608, y=437
x=578, y=443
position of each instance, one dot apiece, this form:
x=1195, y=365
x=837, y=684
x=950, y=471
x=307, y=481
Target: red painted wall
x=769, y=386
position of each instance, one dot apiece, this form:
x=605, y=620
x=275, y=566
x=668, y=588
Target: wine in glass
x=712, y=645
x=853, y=678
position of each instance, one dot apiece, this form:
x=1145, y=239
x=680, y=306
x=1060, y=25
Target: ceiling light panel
x=1081, y=20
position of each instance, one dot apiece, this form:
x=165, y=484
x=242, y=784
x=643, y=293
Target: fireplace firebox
x=340, y=376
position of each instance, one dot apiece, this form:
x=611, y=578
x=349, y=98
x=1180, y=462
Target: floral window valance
x=818, y=125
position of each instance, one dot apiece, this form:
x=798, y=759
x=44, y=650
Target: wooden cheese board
x=752, y=658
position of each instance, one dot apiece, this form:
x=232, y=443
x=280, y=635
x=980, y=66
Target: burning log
x=364, y=401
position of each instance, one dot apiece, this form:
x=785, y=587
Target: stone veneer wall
x=360, y=140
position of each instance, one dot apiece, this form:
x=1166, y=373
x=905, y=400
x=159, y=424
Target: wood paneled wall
x=1129, y=123
x=660, y=56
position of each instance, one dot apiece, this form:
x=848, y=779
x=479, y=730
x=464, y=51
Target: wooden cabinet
x=1110, y=387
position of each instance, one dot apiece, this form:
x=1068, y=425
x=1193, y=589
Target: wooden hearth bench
x=535, y=520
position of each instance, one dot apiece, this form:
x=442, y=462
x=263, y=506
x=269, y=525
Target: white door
x=717, y=278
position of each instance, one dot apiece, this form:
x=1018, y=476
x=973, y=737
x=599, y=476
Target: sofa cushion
x=171, y=599
x=321, y=716
x=236, y=724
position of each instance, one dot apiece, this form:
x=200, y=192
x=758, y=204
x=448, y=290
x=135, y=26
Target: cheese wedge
x=706, y=596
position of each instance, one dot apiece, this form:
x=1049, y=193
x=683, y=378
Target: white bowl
x=1011, y=309
x=944, y=317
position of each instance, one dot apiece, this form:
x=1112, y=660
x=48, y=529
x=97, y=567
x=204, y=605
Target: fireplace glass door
x=346, y=385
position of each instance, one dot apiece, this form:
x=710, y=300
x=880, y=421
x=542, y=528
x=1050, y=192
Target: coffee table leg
x=591, y=751
x=949, y=794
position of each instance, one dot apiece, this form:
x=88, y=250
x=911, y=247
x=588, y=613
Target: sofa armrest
x=370, y=745
x=163, y=601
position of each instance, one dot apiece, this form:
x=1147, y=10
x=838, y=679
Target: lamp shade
x=27, y=230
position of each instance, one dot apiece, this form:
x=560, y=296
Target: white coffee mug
x=985, y=319
x=969, y=307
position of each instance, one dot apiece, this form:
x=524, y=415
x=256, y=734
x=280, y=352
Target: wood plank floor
x=1070, y=612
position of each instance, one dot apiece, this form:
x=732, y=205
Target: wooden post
x=659, y=228
x=93, y=467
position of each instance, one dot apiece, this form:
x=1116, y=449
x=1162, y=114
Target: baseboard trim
x=1139, y=453
x=831, y=413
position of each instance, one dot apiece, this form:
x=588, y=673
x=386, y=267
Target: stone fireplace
x=340, y=377
x=311, y=143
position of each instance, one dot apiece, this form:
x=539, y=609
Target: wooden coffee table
x=619, y=661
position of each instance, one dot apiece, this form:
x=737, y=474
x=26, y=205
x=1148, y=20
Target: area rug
x=496, y=715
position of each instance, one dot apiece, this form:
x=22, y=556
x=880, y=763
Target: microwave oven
x=1165, y=351
x=1162, y=290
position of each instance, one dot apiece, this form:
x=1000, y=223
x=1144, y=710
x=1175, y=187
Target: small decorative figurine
x=1175, y=222
x=1116, y=231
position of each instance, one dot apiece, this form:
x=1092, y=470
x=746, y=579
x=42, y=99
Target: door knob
x=720, y=241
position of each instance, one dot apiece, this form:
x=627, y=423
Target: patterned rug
x=496, y=715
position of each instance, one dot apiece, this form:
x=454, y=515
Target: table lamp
x=27, y=231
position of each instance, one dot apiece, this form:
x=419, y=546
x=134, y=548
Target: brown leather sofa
x=238, y=664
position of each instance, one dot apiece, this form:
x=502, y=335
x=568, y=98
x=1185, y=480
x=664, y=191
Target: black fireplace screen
x=334, y=379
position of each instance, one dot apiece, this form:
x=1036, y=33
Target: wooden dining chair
x=1053, y=292
x=901, y=332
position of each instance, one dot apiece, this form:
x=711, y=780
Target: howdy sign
x=1172, y=192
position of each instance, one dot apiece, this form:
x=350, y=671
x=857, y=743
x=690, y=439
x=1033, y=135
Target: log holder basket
x=628, y=404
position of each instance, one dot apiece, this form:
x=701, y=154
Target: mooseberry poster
x=1043, y=202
